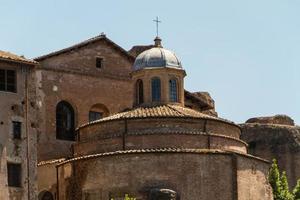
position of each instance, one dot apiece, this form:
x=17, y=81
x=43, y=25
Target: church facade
x=158, y=147
x=99, y=122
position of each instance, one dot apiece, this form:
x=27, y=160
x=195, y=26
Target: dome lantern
x=157, y=42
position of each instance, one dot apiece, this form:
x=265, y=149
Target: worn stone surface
x=275, y=141
x=21, y=107
x=277, y=119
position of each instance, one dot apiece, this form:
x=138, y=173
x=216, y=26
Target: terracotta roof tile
x=4, y=55
x=159, y=150
x=53, y=161
x=166, y=110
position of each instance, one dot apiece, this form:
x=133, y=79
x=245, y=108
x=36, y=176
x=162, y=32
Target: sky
x=244, y=53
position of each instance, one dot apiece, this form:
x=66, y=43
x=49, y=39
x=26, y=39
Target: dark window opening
x=14, y=174
x=173, y=90
x=252, y=147
x=139, y=92
x=156, y=89
x=17, y=129
x=65, y=121
x=7, y=80
x=46, y=196
x=99, y=63
x=93, y=115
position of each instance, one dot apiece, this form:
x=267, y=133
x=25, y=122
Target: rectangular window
x=93, y=116
x=2, y=80
x=7, y=80
x=14, y=175
x=99, y=63
x=17, y=129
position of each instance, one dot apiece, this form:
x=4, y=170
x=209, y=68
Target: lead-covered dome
x=156, y=57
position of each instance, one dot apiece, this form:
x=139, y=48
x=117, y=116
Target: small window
x=139, y=92
x=93, y=116
x=7, y=80
x=17, y=129
x=156, y=87
x=99, y=63
x=173, y=90
x=14, y=174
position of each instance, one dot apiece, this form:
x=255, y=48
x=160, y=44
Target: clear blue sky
x=246, y=54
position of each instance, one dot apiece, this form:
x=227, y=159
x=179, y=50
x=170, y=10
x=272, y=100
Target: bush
x=280, y=185
x=296, y=191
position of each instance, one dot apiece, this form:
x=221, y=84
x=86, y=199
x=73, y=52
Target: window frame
x=101, y=61
x=171, y=90
x=15, y=173
x=156, y=94
x=5, y=82
x=61, y=132
x=95, y=112
x=18, y=135
x=139, y=90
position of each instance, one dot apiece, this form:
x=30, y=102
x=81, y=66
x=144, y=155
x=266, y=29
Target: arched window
x=45, y=195
x=97, y=112
x=65, y=121
x=139, y=92
x=156, y=87
x=173, y=88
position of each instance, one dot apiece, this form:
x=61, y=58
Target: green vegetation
x=280, y=186
x=127, y=197
x=296, y=191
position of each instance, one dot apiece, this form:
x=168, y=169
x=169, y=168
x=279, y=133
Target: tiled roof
x=7, y=56
x=159, y=150
x=165, y=110
x=84, y=43
x=49, y=162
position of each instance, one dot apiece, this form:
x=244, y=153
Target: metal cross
x=157, y=21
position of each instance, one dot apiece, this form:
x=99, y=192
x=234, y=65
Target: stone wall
x=277, y=119
x=252, y=182
x=21, y=107
x=194, y=176
x=281, y=142
x=47, y=178
x=73, y=77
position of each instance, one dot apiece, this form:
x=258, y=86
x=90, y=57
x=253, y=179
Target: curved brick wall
x=193, y=175
x=158, y=133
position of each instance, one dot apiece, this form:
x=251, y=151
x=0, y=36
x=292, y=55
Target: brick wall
x=73, y=77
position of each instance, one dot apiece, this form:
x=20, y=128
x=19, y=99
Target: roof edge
x=160, y=150
x=85, y=43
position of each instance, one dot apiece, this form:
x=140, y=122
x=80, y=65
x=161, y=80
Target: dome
x=156, y=57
